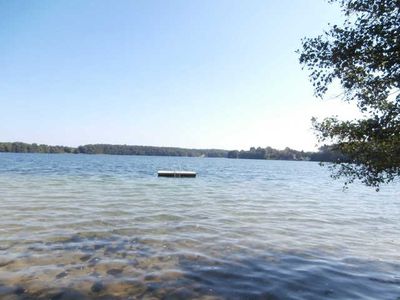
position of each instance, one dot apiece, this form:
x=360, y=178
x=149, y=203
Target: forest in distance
x=325, y=153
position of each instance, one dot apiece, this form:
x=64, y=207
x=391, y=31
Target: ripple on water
x=93, y=227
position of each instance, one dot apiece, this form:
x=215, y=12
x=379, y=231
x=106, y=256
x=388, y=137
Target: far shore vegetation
x=325, y=153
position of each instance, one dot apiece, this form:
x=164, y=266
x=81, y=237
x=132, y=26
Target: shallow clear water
x=105, y=227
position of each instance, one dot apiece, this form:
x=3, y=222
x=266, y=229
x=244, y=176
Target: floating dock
x=176, y=174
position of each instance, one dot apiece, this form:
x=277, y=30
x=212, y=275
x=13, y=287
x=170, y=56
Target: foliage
x=324, y=153
x=148, y=150
x=34, y=148
x=111, y=149
x=363, y=55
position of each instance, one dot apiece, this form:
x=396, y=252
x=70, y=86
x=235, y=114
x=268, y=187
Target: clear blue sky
x=204, y=74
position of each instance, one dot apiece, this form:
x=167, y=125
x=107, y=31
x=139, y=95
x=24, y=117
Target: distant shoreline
x=325, y=153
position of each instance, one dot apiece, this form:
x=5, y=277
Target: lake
x=106, y=227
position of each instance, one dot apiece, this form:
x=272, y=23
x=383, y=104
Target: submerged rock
x=93, y=261
x=68, y=295
x=62, y=275
x=19, y=290
x=86, y=257
x=97, y=287
x=114, y=271
x=5, y=263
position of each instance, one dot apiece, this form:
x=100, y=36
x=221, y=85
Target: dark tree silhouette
x=363, y=55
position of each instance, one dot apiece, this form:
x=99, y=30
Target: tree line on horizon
x=325, y=153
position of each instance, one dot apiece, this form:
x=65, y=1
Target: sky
x=197, y=74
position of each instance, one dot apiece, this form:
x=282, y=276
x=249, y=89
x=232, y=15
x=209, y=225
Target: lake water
x=105, y=227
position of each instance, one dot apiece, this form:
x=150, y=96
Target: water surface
x=105, y=227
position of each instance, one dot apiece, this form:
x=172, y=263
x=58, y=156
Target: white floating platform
x=176, y=174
